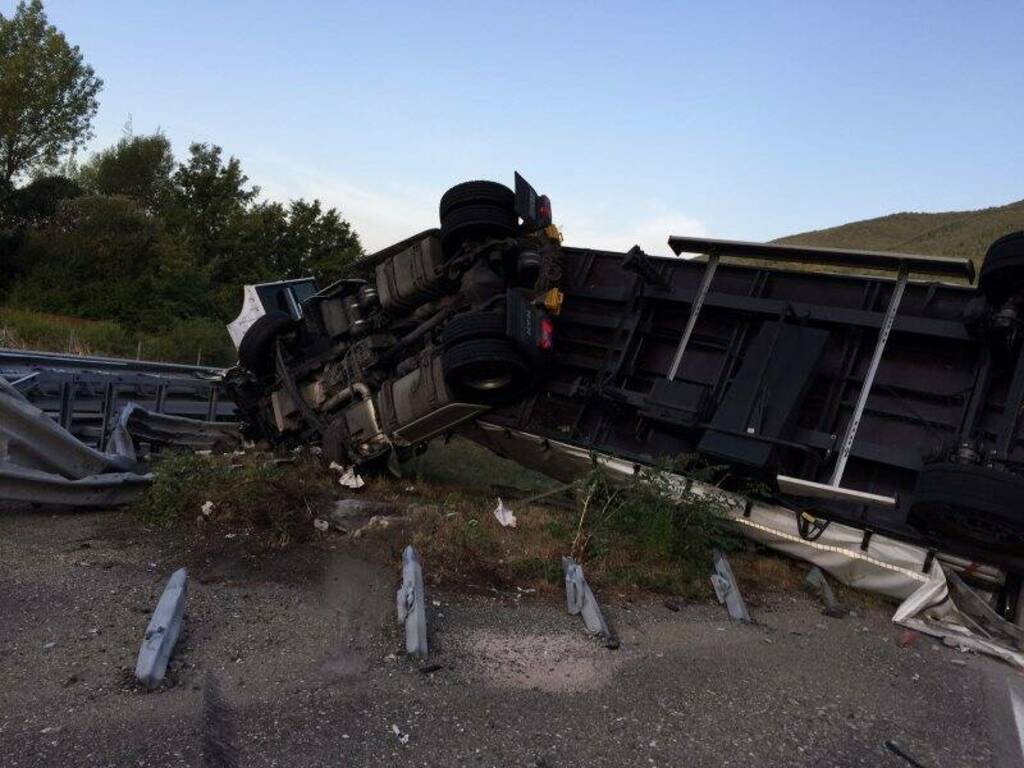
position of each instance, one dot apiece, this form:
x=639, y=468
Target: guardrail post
x=163, y=631
x=109, y=403
x=411, y=603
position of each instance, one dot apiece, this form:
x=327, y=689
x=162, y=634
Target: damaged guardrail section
x=41, y=462
x=44, y=463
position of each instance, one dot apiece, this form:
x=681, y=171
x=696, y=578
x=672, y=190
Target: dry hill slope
x=955, y=233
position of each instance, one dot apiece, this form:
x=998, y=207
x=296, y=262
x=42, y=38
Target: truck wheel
x=476, y=221
x=473, y=325
x=486, y=371
x=255, y=347
x=969, y=503
x=1002, y=272
x=475, y=192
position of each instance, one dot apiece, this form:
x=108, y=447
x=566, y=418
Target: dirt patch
x=554, y=663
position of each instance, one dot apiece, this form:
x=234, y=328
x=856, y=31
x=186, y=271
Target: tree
x=139, y=167
x=106, y=258
x=316, y=242
x=213, y=198
x=25, y=209
x=37, y=202
x=47, y=92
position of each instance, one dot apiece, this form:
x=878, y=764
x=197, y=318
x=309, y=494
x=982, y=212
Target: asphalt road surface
x=304, y=649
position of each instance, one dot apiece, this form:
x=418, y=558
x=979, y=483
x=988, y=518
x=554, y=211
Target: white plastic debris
x=504, y=515
x=349, y=478
x=207, y=507
x=321, y=525
x=946, y=608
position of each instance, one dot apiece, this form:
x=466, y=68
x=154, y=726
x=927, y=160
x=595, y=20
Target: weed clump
x=652, y=531
x=250, y=494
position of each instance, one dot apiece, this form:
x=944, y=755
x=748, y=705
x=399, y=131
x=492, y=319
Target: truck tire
x=486, y=371
x=980, y=505
x=473, y=325
x=475, y=192
x=1002, y=272
x=481, y=221
x=255, y=348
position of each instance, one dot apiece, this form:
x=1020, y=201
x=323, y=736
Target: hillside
x=954, y=233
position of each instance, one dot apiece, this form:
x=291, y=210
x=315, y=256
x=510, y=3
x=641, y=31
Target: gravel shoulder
x=305, y=651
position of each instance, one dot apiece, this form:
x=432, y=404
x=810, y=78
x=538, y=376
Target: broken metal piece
x=163, y=631
x=726, y=589
x=580, y=600
x=411, y=604
x=817, y=583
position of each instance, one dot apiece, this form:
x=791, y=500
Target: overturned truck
x=880, y=390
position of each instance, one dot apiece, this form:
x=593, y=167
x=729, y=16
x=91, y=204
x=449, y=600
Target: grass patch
x=465, y=464
x=186, y=341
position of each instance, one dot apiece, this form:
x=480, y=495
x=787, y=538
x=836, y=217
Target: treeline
x=137, y=237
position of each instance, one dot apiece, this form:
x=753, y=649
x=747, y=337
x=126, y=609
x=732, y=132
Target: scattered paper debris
x=348, y=478
x=321, y=525
x=207, y=508
x=504, y=515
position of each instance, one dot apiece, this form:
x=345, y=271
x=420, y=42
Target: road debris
x=907, y=638
x=348, y=478
x=726, y=589
x=580, y=600
x=504, y=515
x=817, y=583
x=897, y=750
x=946, y=608
x=411, y=603
x=163, y=631
x=403, y=738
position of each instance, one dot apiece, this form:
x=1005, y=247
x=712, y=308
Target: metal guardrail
x=83, y=394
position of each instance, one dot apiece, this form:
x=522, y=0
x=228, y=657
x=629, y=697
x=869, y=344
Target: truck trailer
x=879, y=390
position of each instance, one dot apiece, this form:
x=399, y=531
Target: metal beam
x=921, y=265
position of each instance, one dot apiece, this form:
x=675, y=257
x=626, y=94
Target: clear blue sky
x=747, y=120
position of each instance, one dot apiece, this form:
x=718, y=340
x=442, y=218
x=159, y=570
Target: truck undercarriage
x=880, y=390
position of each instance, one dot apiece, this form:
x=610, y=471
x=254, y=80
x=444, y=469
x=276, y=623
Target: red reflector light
x=544, y=211
x=547, y=335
